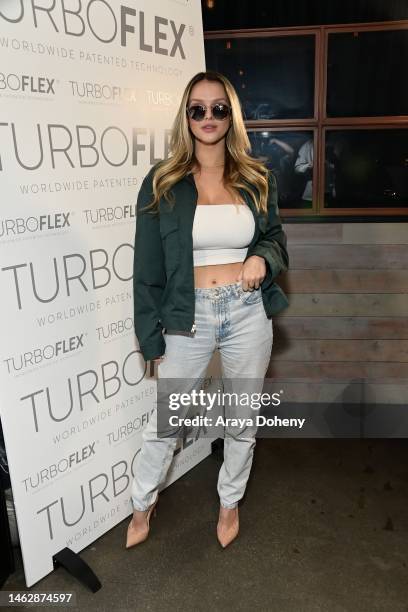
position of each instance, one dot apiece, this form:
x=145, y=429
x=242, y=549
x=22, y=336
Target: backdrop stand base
x=77, y=567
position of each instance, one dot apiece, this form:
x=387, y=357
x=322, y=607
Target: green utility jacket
x=163, y=269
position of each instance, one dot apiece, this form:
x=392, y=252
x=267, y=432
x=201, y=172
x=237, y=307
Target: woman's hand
x=252, y=272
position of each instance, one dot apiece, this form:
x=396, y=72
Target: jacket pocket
x=169, y=231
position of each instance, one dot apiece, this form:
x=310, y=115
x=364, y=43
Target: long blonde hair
x=239, y=165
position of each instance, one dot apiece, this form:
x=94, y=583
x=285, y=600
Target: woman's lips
x=209, y=128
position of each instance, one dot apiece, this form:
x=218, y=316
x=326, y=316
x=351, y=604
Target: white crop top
x=221, y=233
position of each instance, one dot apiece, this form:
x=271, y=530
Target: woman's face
x=208, y=93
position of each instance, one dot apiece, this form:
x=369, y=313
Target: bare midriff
x=216, y=274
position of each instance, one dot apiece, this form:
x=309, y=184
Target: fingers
x=251, y=285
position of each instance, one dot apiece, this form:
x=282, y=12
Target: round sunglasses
x=219, y=111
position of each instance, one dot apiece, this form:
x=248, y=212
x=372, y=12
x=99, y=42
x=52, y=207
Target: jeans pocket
x=251, y=297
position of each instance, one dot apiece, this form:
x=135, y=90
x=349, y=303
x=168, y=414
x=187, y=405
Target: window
x=273, y=76
x=366, y=168
x=326, y=109
x=289, y=155
x=364, y=73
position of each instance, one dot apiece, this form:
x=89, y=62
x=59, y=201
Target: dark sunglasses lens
x=196, y=112
x=220, y=111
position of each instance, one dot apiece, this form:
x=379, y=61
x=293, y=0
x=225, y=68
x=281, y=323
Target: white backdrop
x=88, y=95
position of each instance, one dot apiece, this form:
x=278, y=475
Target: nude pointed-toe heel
x=227, y=530
x=139, y=532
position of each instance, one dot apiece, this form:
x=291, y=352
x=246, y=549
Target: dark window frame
x=320, y=123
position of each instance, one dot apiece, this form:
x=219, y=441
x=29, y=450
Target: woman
x=198, y=269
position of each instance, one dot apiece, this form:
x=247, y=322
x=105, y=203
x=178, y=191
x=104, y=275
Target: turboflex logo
x=26, y=83
x=121, y=24
x=65, y=464
x=74, y=273
x=41, y=354
x=83, y=392
x=102, y=91
x=110, y=214
x=31, y=225
x=82, y=146
x=115, y=328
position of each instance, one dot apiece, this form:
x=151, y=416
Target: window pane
x=366, y=74
x=274, y=76
x=289, y=155
x=366, y=168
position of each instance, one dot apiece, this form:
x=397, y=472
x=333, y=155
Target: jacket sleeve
x=272, y=244
x=149, y=277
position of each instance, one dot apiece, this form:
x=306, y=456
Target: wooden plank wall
x=348, y=313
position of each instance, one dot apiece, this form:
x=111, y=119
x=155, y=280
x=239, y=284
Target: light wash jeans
x=231, y=320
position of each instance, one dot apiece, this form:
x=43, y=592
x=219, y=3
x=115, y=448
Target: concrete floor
x=323, y=527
